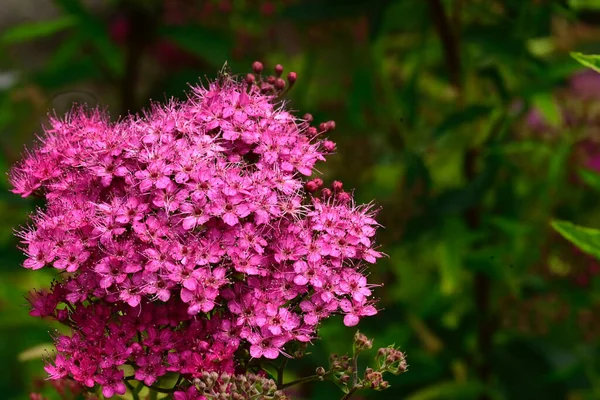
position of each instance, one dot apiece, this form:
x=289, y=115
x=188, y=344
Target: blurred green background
x=466, y=120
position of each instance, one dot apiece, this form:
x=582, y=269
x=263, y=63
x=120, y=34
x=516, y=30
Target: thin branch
x=280, y=371
x=134, y=393
x=306, y=379
x=449, y=42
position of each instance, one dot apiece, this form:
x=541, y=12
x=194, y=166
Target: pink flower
x=186, y=235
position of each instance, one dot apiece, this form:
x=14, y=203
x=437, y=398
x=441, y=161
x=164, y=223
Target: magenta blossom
x=185, y=237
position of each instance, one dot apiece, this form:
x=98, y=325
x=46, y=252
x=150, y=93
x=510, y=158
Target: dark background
x=466, y=120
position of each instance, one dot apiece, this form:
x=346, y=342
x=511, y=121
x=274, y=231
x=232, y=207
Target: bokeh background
x=466, y=120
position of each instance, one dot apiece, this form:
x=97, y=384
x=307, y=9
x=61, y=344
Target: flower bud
x=311, y=186
x=250, y=78
x=257, y=67
x=291, y=78
x=329, y=146
x=320, y=371
x=278, y=70
x=330, y=126
x=311, y=131
x=343, y=197
x=279, y=84
x=307, y=117
x=337, y=186
x=271, y=80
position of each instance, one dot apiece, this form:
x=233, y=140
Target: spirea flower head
x=188, y=238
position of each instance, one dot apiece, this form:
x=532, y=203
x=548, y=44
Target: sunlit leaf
x=586, y=239
x=590, y=61
x=547, y=106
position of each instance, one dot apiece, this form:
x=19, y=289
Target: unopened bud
x=345, y=378
x=279, y=84
x=271, y=79
x=330, y=126
x=291, y=78
x=311, y=131
x=278, y=70
x=250, y=78
x=311, y=186
x=257, y=67
x=329, y=146
x=308, y=118
x=320, y=371
x=337, y=186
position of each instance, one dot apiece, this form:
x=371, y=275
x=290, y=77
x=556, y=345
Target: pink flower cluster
x=187, y=234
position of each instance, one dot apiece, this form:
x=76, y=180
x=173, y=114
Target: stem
x=350, y=393
x=449, y=42
x=134, y=393
x=280, y=370
x=309, y=378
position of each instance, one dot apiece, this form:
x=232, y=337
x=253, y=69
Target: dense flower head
x=187, y=235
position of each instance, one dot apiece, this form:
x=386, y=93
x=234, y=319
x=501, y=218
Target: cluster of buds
x=374, y=380
x=270, y=84
x=361, y=342
x=336, y=190
x=214, y=386
x=343, y=370
x=390, y=359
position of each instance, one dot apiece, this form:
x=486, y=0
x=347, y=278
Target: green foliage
x=590, y=61
x=587, y=239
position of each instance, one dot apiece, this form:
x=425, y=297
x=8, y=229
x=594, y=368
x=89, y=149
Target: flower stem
x=309, y=378
x=280, y=370
x=134, y=392
x=350, y=393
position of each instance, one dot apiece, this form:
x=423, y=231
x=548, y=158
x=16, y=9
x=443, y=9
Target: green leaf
x=590, y=61
x=469, y=114
x=586, y=239
x=584, y=4
x=547, y=106
x=590, y=177
x=34, y=30
x=209, y=44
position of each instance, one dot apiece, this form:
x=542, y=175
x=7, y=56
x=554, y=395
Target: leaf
x=591, y=178
x=584, y=4
x=36, y=352
x=34, y=30
x=586, y=239
x=450, y=255
x=548, y=107
x=469, y=114
x=590, y=61
x=208, y=44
